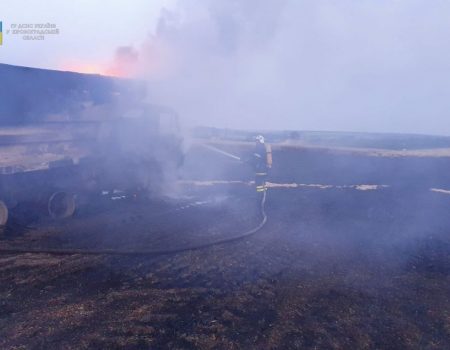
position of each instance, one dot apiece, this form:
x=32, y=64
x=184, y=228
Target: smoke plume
x=353, y=66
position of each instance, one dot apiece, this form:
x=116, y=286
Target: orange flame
x=92, y=68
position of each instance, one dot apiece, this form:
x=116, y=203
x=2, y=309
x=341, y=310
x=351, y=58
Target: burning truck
x=66, y=134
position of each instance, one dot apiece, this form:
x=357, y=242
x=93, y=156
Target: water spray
x=218, y=150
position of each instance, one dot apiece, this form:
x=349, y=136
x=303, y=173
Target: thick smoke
x=314, y=65
x=125, y=62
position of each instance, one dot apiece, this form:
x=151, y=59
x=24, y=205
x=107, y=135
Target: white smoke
x=356, y=66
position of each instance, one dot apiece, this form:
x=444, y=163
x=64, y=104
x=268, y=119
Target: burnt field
x=334, y=267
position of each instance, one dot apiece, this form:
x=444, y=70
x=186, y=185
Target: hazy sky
x=345, y=65
x=90, y=30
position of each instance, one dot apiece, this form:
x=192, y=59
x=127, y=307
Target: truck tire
x=61, y=205
x=3, y=214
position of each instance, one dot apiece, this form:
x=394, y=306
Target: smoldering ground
x=333, y=267
x=403, y=203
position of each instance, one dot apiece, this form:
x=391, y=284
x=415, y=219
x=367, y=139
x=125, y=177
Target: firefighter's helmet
x=259, y=139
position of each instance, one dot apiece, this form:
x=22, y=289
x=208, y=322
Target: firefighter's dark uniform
x=262, y=162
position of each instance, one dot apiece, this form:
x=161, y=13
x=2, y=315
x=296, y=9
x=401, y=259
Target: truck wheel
x=61, y=205
x=3, y=214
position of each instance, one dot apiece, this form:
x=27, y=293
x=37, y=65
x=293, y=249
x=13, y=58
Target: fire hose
x=146, y=252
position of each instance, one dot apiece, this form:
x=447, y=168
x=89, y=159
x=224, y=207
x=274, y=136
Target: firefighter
x=262, y=162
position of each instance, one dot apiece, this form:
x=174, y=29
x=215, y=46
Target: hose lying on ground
x=145, y=252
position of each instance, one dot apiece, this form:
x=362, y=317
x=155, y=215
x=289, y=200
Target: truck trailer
x=65, y=134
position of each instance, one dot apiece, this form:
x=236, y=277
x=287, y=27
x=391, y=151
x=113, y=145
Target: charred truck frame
x=64, y=134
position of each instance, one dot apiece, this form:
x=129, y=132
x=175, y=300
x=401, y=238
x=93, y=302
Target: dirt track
x=332, y=269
